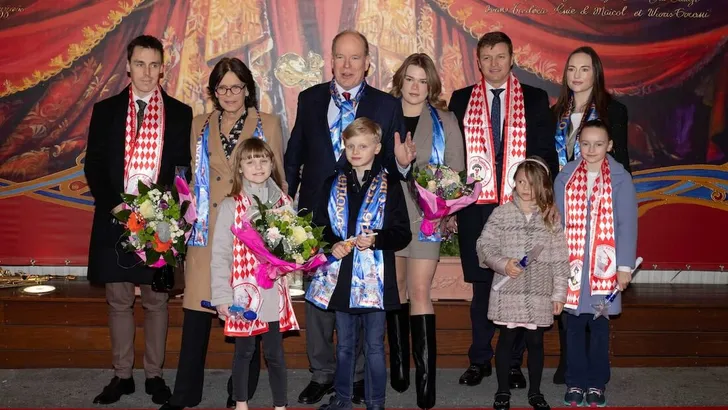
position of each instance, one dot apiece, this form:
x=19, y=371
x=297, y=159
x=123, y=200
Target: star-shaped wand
x=602, y=308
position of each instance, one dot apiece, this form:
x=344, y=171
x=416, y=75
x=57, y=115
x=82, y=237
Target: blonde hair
x=253, y=148
x=434, y=85
x=537, y=174
x=363, y=126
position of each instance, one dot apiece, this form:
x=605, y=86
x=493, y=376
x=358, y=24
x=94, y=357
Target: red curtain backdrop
x=58, y=58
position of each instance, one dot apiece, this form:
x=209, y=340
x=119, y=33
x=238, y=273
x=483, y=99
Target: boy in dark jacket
x=366, y=221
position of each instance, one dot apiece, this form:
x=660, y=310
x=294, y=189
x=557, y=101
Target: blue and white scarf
x=437, y=156
x=562, y=133
x=347, y=113
x=200, y=228
x=367, y=277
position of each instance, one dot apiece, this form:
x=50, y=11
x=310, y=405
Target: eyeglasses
x=223, y=90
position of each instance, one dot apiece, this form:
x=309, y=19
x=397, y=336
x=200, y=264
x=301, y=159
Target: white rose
x=431, y=186
x=298, y=234
x=147, y=209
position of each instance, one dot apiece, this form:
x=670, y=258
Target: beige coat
x=197, y=265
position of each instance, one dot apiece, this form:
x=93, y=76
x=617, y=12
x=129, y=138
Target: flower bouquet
x=440, y=192
x=282, y=241
x=158, y=222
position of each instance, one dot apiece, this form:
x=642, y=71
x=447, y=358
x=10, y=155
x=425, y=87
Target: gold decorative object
x=293, y=70
x=20, y=279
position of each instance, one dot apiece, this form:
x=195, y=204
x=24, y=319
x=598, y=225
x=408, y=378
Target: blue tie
x=346, y=116
x=495, y=121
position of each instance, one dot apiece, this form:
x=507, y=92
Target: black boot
x=399, y=351
x=560, y=374
x=424, y=351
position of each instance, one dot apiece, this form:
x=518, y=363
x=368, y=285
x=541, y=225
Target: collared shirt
x=333, y=111
x=490, y=96
x=145, y=99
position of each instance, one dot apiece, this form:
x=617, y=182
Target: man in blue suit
x=324, y=110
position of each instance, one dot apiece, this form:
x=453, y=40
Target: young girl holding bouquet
x=234, y=282
x=531, y=296
x=599, y=203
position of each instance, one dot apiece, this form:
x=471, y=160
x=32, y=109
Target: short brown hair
x=144, y=41
x=363, y=126
x=493, y=38
x=361, y=36
x=241, y=71
x=434, y=85
x=253, y=148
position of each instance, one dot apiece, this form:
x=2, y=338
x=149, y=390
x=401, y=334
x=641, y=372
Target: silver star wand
x=602, y=308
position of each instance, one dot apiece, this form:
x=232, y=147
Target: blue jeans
x=375, y=368
x=587, y=368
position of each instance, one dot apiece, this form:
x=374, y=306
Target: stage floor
x=76, y=388
x=663, y=326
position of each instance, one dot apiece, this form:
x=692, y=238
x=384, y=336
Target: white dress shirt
x=333, y=113
x=489, y=95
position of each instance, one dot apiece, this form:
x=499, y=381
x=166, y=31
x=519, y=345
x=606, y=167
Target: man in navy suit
x=324, y=110
x=496, y=94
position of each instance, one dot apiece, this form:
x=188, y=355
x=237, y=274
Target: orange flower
x=160, y=246
x=135, y=223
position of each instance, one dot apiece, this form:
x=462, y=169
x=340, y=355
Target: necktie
x=140, y=114
x=495, y=121
x=346, y=116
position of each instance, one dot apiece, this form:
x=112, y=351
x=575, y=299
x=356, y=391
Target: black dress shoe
x=538, y=402
x=167, y=406
x=230, y=402
x=475, y=373
x=157, y=388
x=314, y=392
x=502, y=401
x=516, y=378
x=357, y=394
x=115, y=389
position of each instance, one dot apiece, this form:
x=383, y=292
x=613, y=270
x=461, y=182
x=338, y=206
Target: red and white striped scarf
x=244, y=283
x=602, y=257
x=479, y=140
x=143, y=152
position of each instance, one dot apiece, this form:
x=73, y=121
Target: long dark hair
x=600, y=96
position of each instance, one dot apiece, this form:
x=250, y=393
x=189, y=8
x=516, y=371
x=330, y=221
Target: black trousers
x=191, y=368
x=274, y=357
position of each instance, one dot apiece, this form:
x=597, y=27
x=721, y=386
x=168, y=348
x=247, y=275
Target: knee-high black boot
x=398, y=334
x=424, y=350
x=560, y=375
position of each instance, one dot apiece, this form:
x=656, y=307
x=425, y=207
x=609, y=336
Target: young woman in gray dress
x=439, y=141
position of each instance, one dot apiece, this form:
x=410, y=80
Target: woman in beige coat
x=438, y=139
x=235, y=118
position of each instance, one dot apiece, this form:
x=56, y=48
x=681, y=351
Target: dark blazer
x=310, y=143
x=540, y=122
x=394, y=236
x=104, y=169
x=540, y=125
x=617, y=121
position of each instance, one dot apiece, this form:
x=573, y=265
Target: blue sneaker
x=596, y=398
x=574, y=397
